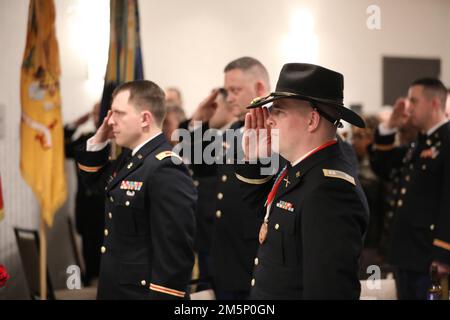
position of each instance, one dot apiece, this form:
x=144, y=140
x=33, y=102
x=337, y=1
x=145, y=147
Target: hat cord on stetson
x=336, y=122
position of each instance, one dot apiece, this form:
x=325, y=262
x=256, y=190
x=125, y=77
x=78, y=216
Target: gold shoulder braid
x=339, y=175
x=165, y=154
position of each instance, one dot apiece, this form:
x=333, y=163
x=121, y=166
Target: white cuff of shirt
x=385, y=131
x=71, y=126
x=92, y=147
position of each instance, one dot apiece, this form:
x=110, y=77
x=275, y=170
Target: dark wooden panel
x=399, y=73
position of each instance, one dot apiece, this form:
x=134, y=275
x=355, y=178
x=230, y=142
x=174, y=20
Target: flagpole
x=43, y=259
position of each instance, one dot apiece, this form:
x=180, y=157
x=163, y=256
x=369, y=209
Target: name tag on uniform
x=285, y=205
x=131, y=185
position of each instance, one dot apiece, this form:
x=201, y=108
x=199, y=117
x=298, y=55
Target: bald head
x=174, y=97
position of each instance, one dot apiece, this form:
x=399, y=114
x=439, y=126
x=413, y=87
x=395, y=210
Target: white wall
x=187, y=44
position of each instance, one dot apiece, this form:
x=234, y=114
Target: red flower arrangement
x=4, y=276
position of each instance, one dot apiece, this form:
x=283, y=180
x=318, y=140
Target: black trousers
x=411, y=285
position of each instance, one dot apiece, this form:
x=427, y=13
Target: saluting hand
x=257, y=140
x=105, y=131
x=443, y=269
x=206, y=108
x=399, y=116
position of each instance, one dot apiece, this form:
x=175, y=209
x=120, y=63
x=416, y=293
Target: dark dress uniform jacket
x=421, y=226
x=149, y=222
x=315, y=229
x=87, y=202
x=236, y=227
x=89, y=210
x=204, y=215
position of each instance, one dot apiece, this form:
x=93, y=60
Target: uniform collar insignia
x=137, y=159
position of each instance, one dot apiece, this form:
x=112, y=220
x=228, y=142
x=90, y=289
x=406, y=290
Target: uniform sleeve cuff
x=166, y=290
x=441, y=251
x=251, y=174
x=91, y=161
x=92, y=147
x=385, y=131
x=384, y=139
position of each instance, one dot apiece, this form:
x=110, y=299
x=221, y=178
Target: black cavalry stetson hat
x=318, y=85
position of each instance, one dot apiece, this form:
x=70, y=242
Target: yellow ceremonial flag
x=1, y=201
x=41, y=128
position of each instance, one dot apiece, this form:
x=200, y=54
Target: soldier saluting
x=420, y=233
x=147, y=251
x=315, y=210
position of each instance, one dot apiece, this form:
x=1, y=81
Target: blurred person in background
x=420, y=235
x=89, y=203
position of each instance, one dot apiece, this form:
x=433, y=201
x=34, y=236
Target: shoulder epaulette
x=165, y=154
x=339, y=175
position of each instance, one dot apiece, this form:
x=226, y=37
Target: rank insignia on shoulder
x=339, y=175
x=285, y=205
x=131, y=185
x=165, y=154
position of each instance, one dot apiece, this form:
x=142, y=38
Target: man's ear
x=146, y=119
x=314, y=120
x=260, y=88
x=436, y=103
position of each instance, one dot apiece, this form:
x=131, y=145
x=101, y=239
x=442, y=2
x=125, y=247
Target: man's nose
x=408, y=106
x=111, y=120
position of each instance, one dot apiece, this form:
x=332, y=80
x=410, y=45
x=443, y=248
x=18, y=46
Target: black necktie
x=421, y=140
x=125, y=159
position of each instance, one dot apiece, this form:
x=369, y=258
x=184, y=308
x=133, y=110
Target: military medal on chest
x=263, y=232
x=265, y=226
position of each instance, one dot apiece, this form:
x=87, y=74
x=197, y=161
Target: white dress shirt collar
x=135, y=150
